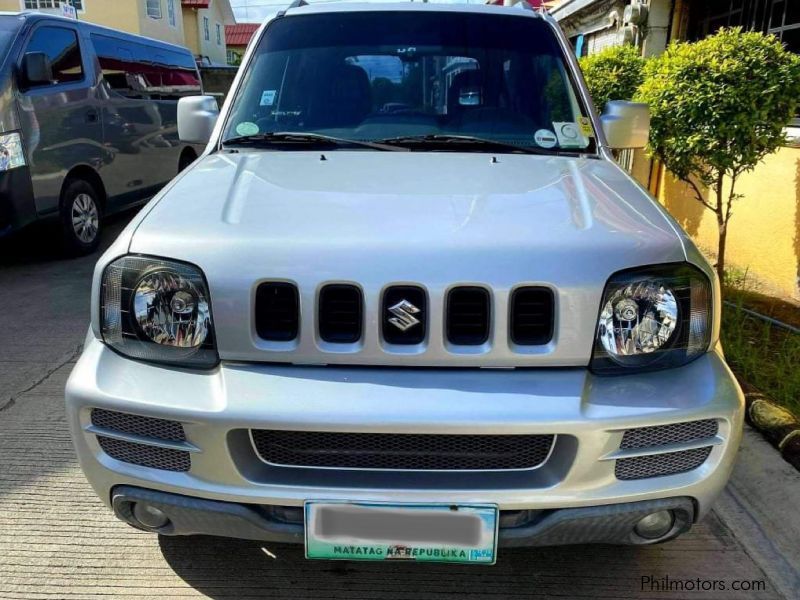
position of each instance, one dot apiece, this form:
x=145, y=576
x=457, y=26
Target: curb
x=776, y=424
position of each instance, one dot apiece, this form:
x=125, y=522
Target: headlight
x=653, y=318
x=158, y=310
x=11, y=154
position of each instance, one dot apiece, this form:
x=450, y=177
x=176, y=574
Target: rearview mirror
x=36, y=69
x=197, y=116
x=626, y=124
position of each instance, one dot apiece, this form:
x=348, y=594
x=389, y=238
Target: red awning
x=196, y=3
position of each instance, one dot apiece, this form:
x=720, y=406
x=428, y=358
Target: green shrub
x=615, y=73
x=718, y=108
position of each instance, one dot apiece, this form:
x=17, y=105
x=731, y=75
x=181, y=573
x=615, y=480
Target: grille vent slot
x=531, y=316
x=468, y=314
x=160, y=429
x=277, y=311
x=165, y=459
x=658, y=465
x=674, y=433
x=341, y=314
x=389, y=451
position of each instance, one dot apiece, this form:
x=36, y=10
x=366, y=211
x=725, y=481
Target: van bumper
x=588, y=416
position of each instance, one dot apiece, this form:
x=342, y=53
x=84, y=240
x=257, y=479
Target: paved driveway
x=58, y=541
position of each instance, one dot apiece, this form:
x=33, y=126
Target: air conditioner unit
x=635, y=13
x=627, y=35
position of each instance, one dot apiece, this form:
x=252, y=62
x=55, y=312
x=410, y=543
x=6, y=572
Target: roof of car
x=520, y=9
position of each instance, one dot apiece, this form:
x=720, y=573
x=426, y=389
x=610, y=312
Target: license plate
x=412, y=532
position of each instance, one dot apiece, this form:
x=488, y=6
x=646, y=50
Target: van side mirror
x=197, y=116
x=36, y=69
x=626, y=124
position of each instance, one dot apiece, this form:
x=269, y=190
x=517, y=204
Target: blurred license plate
x=421, y=532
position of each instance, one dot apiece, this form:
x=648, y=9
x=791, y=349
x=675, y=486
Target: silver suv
x=407, y=305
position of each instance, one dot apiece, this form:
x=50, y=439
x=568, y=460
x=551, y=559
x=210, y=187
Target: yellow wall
x=157, y=28
x=764, y=231
x=195, y=37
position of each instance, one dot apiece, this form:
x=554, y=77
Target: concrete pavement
x=58, y=541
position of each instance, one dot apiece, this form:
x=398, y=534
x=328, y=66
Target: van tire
x=80, y=213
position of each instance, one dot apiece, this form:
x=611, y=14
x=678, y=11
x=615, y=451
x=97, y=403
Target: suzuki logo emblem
x=404, y=318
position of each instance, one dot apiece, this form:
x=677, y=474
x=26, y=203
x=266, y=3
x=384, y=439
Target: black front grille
x=149, y=427
x=277, y=311
x=674, y=433
x=468, y=314
x=341, y=314
x=402, y=305
x=658, y=465
x=165, y=459
x=531, y=318
x=418, y=452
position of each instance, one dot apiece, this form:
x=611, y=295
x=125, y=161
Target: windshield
x=390, y=76
x=8, y=30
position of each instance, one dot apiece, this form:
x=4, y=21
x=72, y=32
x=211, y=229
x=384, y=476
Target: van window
x=137, y=70
x=61, y=47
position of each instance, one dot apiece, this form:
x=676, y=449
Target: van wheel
x=80, y=218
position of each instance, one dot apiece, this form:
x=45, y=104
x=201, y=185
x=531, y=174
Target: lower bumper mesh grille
x=674, y=433
x=161, y=429
x=154, y=457
x=657, y=465
x=388, y=451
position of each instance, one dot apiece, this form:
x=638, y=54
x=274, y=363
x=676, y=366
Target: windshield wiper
x=446, y=139
x=304, y=138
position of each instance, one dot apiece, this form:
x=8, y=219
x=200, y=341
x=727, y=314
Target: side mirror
x=36, y=69
x=197, y=116
x=626, y=124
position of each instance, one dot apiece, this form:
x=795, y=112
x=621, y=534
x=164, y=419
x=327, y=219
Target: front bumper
x=588, y=415
x=607, y=524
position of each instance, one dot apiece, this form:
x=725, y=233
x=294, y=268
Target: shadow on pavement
x=227, y=568
x=41, y=242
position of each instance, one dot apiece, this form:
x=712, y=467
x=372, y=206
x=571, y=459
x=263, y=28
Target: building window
x=206, y=33
x=171, y=13
x=219, y=34
x=153, y=8
x=39, y=4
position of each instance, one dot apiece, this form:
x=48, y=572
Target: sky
x=255, y=11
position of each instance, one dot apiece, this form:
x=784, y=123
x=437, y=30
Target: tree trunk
x=723, y=236
x=722, y=227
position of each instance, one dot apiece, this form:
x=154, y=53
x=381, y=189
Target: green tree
x=614, y=73
x=718, y=107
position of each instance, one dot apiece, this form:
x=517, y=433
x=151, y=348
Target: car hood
x=434, y=219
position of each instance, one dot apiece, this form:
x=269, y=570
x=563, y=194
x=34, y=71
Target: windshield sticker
x=586, y=127
x=545, y=138
x=569, y=135
x=247, y=128
x=268, y=97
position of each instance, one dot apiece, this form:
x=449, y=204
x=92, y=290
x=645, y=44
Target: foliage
x=614, y=73
x=718, y=107
x=760, y=353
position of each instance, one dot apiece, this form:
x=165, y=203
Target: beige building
x=196, y=24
